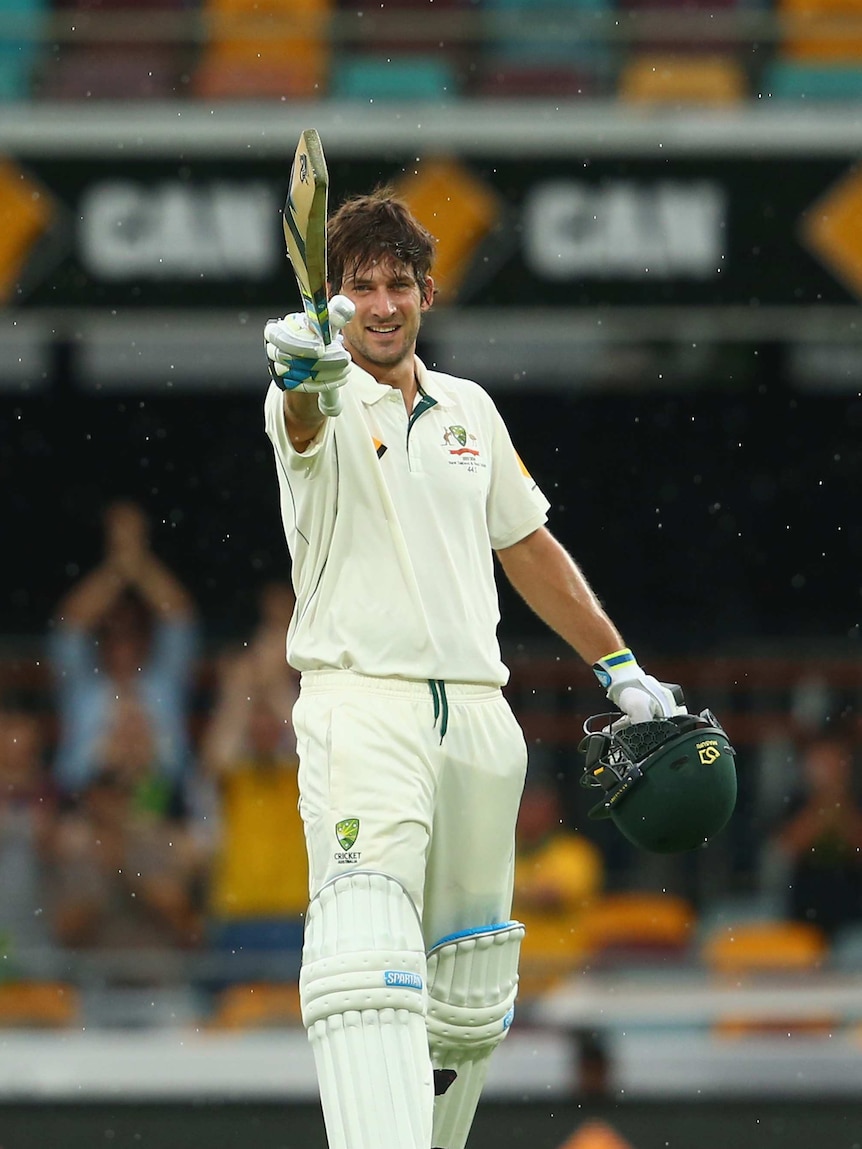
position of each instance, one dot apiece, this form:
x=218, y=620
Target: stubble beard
x=392, y=358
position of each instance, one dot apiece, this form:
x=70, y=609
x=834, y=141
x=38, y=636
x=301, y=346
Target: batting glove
x=299, y=360
x=639, y=695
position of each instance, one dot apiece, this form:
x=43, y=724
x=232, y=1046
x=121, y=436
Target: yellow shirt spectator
x=557, y=874
x=260, y=866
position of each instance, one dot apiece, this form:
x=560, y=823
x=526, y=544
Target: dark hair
x=373, y=227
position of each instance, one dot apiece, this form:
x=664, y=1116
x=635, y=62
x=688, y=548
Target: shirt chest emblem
x=459, y=441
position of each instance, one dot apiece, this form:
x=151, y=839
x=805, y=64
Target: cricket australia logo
x=461, y=436
x=347, y=831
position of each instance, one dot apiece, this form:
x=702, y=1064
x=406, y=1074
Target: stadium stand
x=532, y=48
x=264, y=48
x=647, y=52
x=819, y=54
x=120, y=50
x=22, y=28
x=679, y=79
x=402, y=52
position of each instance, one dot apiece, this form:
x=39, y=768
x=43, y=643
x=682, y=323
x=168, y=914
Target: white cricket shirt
x=391, y=522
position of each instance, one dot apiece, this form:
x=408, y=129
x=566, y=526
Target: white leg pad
x=472, y=985
x=363, y=994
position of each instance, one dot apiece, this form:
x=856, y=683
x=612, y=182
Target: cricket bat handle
x=329, y=403
x=341, y=311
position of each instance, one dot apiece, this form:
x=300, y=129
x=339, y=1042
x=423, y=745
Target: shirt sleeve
x=277, y=431
x=516, y=506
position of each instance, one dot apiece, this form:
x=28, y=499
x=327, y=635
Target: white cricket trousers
x=428, y=775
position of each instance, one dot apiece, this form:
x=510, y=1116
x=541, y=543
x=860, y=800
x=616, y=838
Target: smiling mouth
x=384, y=330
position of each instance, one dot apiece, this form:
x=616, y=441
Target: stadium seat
x=103, y=72
x=256, y=1005
x=791, y=80
x=506, y=79
x=38, y=1004
x=764, y=946
x=20, y=46
x=637, y=926
x=264, y=48
x=651, y=25
x=819, y=56
x=564, y=53
x=145, y=56
x=824, y=31
x=754, y=948
x=395, y=77
x=682, y=79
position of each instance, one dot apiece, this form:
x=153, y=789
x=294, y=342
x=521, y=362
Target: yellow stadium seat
x=767, y=948
x=825, y=31
x=764, y=947
x=681, y=79
x=257, y=1005
x=637, y=924
x=264, y=48
x=48, y=1004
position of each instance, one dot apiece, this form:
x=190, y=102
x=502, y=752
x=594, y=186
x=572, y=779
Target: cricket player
x=411, y=762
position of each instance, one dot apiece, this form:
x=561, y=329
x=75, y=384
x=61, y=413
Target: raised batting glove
x=298, y=358
x=639, y=695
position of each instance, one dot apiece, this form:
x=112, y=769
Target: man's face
x=389, y=307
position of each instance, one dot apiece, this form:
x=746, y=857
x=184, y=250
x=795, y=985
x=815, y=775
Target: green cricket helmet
x=669, y=785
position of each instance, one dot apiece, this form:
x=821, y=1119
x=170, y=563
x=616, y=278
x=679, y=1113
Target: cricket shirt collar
x=367, y=388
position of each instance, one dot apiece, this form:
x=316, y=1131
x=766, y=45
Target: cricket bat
x=304, y=219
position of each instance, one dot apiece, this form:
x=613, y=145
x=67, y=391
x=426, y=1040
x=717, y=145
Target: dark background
x=703, y=518
x=711, y=509
x=746, y=1124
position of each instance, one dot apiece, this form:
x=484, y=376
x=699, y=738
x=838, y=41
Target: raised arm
x=91, y=598
x=131, y=557
x=224, y=737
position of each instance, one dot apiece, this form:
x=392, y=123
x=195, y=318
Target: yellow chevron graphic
x=458, y=209
x=831, y=229
x=26, y=212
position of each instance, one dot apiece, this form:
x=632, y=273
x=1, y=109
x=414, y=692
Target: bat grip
x=329, y=403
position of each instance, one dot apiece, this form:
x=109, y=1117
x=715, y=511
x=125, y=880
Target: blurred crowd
x=124, y=828
x=143, y=826
x=413, y=49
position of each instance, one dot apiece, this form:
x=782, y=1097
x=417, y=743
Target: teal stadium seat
x=407, y=51
x=543, y=32
x=790, y=80
x=21, y=28
x=545, y=48
x=396, y=77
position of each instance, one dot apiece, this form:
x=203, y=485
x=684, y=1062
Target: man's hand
x=127, y=542
x=300, y=361
x=639, y=695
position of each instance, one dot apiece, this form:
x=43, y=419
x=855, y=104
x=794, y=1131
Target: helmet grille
x=643, y=738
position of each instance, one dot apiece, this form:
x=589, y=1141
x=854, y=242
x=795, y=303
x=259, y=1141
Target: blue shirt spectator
x=127, y=631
